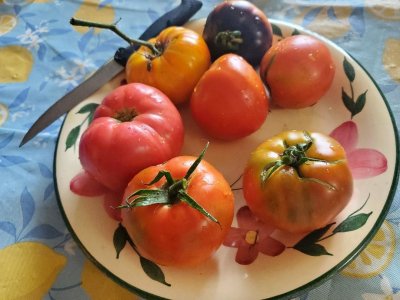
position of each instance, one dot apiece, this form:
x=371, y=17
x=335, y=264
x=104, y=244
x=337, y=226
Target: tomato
x=238, y=27
x=298, y=71
x=182, y=58
x=297, y=181
x=134, y=127
x=229, y=101
x=171, y=231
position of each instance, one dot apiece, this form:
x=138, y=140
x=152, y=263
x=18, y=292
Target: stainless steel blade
x=74, y=97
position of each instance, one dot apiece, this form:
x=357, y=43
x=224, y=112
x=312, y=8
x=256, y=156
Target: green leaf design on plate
x=296, y=32
x=120, y=238
x=314, y=236
x=312, y=249
x=276, y=30
x=88, y=108
x=153, y=270
x=360, y=103
x=352, y=105
x=349, y=70
x=352, y=223
x=347, y=101
x=72, y=137
x=308, y=245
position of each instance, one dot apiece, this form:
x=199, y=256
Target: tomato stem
x=114, y=28
x=229, y=40
x=294, y=156
x=170, y=193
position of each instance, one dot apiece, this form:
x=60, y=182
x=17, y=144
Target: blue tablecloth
x=42, y=57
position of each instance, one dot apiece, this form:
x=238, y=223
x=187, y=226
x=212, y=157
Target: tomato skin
x=288, y=201
x=230, y=101
x=177, y=234
x=183, y=60
x=298, y=71
x=249, y=20
x=112, y=151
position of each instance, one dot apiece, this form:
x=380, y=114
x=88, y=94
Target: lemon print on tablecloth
x=28, y=270
x=15, y=64
x=376, y=256
x=90, y=10
x=7, y=23
x=3, y=113
x=327, y=26
x=384, y=9
x=98, y=286
x=391, y=58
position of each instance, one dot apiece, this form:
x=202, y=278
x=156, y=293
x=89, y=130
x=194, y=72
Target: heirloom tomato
x=178, y=213
x=134, y=127
x=298, y=71
x=179, y=59
x=238, y=27
x=229, y=101
x=297, y=181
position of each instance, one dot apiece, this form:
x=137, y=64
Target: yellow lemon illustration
x=90, y=10
x=3, y=113
x=98, y=286
x=391, y=58
x=15, y=64
x=376, y=256
x=28, y=270
x=7, y=23
x=326, y=25
x=384, y=9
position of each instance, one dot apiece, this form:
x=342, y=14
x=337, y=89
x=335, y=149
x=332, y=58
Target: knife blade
x=175, y=17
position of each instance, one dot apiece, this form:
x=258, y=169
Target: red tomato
x=229, y=101
x=134, y=127
x=297, y=181
x=173, y=233
x=298, y=71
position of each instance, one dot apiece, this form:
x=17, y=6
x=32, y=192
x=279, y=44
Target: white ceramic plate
x=291, y=272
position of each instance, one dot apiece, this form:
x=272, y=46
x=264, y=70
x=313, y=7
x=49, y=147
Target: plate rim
x=305, y=287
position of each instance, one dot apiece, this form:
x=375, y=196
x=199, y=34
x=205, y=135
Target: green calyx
x=294, y=156
x=229, y=40
x=171, y=192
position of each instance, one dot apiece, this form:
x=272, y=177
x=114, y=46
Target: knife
x=176, y=17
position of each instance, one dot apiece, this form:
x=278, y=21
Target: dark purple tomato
x=238, y=27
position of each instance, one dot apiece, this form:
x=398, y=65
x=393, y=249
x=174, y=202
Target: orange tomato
x=297, y=181
x=230, y=101
x=182, y=59
x=172, y=232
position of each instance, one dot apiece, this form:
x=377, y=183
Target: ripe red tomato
x=171, y=232
x=182, y=59
x=297, y=181
x=229, y=101
x=298, y=71
x=134, y=127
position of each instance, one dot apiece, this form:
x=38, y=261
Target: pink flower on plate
x=251, y=237
x=363, y=162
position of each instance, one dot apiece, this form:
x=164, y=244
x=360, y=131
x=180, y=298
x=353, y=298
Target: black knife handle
x=175, y=17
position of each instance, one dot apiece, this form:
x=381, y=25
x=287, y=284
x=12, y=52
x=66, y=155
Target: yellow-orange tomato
x=182, y=59
x=297, y=181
